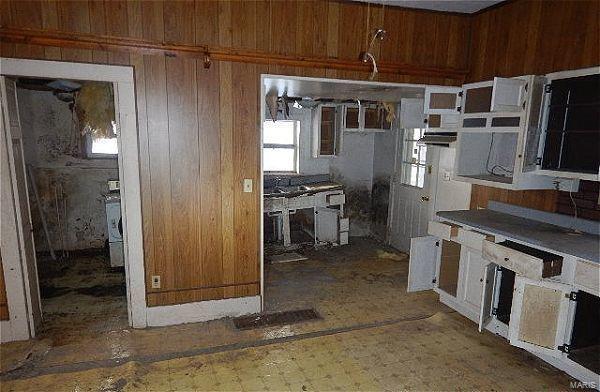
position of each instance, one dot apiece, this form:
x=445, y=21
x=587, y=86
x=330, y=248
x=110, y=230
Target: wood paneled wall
x=199, y=128
x=532, y=37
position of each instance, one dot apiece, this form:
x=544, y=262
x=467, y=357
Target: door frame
x=122, y=78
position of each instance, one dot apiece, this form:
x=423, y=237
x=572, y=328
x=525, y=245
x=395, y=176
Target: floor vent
x=279, y=318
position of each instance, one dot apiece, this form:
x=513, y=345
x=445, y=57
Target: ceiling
x=341, y=90
x=462, y=6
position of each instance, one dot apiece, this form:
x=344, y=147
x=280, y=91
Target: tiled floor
x=373, y=336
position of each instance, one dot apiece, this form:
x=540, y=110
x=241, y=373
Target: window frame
x=89, y=140
x=295, y=146
x=406, y=164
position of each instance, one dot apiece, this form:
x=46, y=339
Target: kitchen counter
x=545, y=235
x=299, y=190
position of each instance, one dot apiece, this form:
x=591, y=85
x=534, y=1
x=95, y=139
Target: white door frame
x=122, y=78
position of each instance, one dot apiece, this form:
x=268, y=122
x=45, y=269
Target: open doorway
x=71, y=197
x=70, y=155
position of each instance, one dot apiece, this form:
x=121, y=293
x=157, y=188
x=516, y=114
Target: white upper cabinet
x=508, y=95
x=442, y=107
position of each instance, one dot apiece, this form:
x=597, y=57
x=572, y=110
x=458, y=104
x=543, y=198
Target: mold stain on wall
x=71, y=187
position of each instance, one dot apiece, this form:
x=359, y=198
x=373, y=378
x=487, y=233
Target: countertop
x=299, y=190
x=552, y=237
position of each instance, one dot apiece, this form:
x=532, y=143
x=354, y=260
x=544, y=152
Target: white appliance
x=115, y=229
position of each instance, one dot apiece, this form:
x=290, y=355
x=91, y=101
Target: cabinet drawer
x=472, y=239
x=444, y=231
x=523, y=260
x=587, y=276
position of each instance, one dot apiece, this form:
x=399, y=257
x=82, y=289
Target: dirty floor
x=372, y=336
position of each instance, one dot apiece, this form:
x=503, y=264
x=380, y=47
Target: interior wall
x=71, y=187
x=532, y=37
x=355, y=174
x=384, y=154
x=199, y=128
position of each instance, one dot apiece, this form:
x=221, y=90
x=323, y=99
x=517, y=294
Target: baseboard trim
x=194, y=312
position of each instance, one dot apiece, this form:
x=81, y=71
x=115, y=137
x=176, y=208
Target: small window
x=414, y=161
x=101, y=146
x=280, y=146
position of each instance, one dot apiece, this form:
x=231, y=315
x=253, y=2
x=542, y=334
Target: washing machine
x=115, y=229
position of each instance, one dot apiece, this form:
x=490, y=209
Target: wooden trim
x=202, y=294
x=159, y=291
x=111, y=43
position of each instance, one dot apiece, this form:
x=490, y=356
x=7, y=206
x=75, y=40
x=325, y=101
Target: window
x=280, y=146
x=100, y=146
x=414, y=161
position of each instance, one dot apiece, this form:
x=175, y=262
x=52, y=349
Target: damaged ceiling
x=340, y=90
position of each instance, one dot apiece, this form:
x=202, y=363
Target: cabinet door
x=507, y=95
x=538, y=318
x=473, y=266
x=487, y=296
x=422, y=265
x=442, y=100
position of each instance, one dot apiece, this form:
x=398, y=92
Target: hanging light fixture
x=377, y=35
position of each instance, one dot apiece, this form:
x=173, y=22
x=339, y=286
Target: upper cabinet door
x=508, y=95
x=422, y=266
x=442, y=100
x=538, y=319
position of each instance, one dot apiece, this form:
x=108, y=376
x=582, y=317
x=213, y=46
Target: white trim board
x=196, y=312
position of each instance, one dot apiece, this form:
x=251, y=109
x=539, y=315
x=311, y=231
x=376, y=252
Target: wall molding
x=124, y=44
x=195, y=312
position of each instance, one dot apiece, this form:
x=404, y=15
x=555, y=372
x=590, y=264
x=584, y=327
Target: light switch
x=248, y=185
x=156, y=281
x=447, y=175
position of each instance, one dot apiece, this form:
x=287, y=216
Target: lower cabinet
x=554, y=320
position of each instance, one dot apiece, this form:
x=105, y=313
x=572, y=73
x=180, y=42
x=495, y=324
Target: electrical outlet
x=156, y=281
x=248, y=185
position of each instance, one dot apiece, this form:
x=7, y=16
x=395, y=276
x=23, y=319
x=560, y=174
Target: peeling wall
x=53, y=147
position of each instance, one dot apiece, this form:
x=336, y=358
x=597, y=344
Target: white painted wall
x=53, y=148
x=353, y=168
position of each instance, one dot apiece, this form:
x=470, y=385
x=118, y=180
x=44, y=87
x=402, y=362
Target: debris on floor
x=285, y=257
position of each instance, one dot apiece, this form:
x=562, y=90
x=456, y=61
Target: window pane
x=279, y=159
x=278, y=132
x=105, y=146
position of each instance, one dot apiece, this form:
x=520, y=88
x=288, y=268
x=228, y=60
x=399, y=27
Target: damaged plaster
x=71, y=187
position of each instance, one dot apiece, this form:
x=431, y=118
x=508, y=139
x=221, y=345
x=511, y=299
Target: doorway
x=53, y=171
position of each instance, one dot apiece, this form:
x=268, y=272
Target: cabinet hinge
x=460, y=94
x=572, y=296
x=437, y=243
x=564, y=348
x=433, y=280
x=494, y=311
x=526, y=86
x=548, y=88
x=458, y=108
x=538, y=161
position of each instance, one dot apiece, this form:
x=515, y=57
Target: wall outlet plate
x=248, y=185
x=156, y=281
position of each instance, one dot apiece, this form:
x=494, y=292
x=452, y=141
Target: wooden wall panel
x=199, y=128
x=532, y=37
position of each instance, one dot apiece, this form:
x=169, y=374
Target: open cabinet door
x=442, y=100
x=538, y=319
x=21, y=201
x=507, y=95
x=422, y=266
x=487, y=296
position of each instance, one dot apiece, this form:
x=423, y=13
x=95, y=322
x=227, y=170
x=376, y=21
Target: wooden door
x=472, y=267
x=21, y=201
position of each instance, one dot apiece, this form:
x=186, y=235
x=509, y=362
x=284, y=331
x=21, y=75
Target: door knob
x=424, y=198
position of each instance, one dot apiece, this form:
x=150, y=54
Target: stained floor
x=373, y=336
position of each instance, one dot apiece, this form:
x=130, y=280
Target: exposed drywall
x=53, y=147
